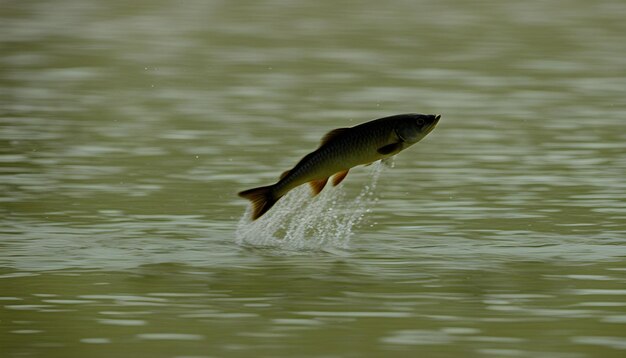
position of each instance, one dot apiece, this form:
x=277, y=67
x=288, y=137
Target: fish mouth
x=435, y=120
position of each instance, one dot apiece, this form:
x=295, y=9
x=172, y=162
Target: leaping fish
x=340, y=150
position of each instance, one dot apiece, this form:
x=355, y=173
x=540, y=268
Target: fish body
x=342, y=149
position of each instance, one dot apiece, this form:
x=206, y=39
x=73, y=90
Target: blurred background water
x=128, y=127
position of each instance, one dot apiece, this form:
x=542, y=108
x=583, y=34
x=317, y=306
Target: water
x=299, y=221
x=127, y=129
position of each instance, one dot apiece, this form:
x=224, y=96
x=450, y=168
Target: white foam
x=302, y=222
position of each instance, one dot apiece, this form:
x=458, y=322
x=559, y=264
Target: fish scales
x=342, y=149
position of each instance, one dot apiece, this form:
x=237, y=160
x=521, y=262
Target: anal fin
x=340, y=176
x=318, y=185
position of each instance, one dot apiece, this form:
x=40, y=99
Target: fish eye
x=420, y=122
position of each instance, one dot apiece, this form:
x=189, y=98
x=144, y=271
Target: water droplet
x=299, y=221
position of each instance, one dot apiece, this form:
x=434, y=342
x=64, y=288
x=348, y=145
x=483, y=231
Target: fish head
x=411, y=128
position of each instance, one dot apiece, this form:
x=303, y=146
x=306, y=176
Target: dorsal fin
x=284, y=174
x=332, y=135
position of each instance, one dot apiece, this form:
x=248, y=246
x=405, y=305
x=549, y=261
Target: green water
x=128, y=127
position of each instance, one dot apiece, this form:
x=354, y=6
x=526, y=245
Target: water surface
x=127, y=129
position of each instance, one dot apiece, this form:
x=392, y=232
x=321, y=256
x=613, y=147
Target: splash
x=301, y=222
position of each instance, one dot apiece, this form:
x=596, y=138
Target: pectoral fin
x=339, y=177
x=318, y=185
x=390, y=148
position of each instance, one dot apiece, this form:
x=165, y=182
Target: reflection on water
x=127, y=129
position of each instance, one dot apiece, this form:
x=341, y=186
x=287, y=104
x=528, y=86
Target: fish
x=342, y=149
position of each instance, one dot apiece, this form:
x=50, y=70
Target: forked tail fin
x=262, y=199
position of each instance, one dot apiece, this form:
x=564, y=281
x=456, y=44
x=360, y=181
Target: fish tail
x=262, y=199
